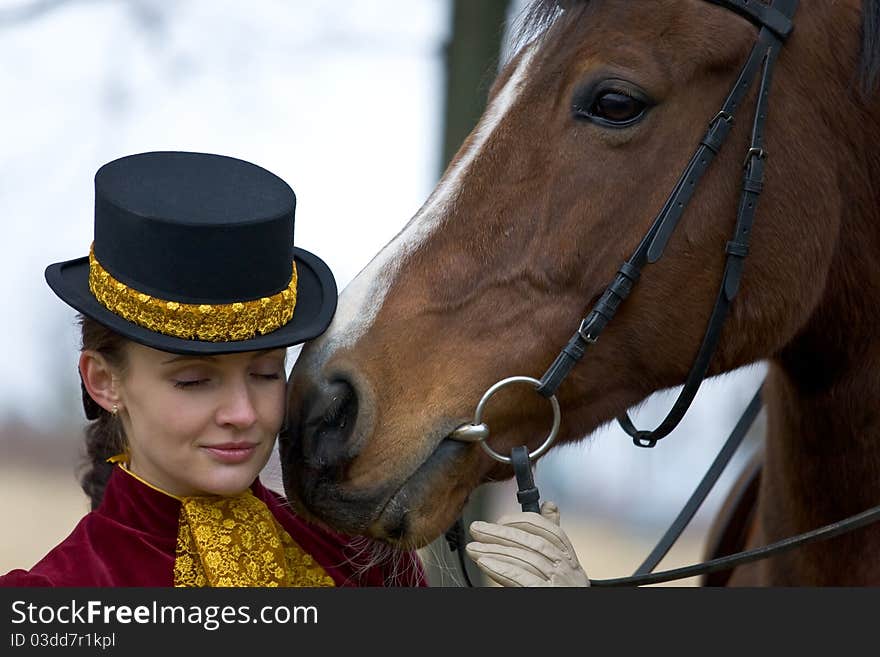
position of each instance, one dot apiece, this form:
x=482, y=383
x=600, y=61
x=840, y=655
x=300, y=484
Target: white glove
x=526, y=549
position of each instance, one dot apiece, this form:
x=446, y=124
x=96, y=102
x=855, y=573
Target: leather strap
x=705, y=486
x=776, y=25
x=776, y=18
x=457, y=539
x=644, y=575
x=823, y=533
x=527, y=495
x=736, y=250
x=652, y=246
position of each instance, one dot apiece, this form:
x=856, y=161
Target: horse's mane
x=537, y=17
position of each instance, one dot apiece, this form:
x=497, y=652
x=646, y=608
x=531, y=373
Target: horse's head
x=586, y=133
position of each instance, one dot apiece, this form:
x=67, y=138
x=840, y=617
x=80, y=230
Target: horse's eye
x=615, y=109
x=610, y=102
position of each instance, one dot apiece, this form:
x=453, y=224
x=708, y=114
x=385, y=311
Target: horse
x=586, y=131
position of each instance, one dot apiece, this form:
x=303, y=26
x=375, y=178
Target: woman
x=190, y=294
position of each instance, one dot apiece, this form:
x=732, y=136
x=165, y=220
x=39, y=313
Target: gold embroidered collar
x=236, y=541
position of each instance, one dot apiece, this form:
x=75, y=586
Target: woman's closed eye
x=270, y=376
x=189, y=383
x=267, y=369
x=194, y=382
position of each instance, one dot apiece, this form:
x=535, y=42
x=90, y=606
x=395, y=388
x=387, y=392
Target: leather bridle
x=775, y=25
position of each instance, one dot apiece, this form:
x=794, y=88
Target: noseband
x=775, y=25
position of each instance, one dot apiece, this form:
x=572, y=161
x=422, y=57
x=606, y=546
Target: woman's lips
x=231, y=452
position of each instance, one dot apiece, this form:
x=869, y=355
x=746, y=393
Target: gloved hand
x=526, y=549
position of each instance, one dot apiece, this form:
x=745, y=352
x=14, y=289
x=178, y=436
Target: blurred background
x=359, y=105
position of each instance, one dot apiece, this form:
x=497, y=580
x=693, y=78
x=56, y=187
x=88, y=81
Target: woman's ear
x=99, y=380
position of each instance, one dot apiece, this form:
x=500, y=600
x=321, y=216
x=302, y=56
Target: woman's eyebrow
x=267, y=352
x=187, y=357
x=257, y=354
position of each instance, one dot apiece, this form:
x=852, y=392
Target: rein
x=775, y=25
x=644, y=575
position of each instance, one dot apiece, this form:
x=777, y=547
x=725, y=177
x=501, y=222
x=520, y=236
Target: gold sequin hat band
x=193, y=253
x=240, y=320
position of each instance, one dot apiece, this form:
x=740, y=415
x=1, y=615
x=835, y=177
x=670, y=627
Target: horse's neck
x=822, y=464
x=823, y=404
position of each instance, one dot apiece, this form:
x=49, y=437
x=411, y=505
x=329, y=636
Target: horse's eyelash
x=585, y=102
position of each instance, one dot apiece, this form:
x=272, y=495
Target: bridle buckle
x=727, y=116
x=583, y=331
x=759, y=153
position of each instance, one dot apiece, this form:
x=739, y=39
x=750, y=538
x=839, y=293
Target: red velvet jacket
x=131, y=540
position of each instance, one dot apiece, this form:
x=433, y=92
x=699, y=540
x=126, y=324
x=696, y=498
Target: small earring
x=114, y=410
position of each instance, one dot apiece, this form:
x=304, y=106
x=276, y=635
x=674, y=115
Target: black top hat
x=193, y=254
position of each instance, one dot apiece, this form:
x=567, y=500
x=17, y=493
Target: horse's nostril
x=328, y=425
x=339, y=408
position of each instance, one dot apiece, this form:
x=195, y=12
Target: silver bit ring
x=478, y=431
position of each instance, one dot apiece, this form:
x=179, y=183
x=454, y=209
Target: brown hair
x=105, y=436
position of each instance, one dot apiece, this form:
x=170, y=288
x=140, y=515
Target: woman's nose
x=237, y=407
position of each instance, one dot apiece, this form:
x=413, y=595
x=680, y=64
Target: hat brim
x=316, y=297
